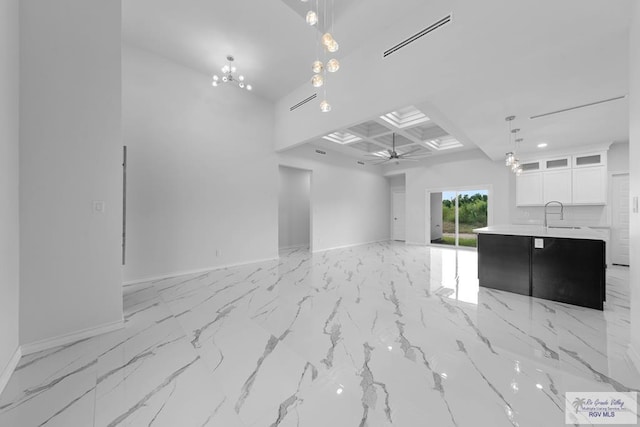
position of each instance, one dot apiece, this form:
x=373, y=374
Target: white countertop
x=540, y=231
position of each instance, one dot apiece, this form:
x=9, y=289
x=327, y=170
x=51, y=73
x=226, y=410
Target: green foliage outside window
x=472, y=213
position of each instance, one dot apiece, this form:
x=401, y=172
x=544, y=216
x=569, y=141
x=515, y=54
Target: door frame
x=310, y=172
x=610, y=212
x=391, y=216
x=427, y=210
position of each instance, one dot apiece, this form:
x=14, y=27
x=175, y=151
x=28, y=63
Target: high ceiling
x=270, y=40
x=526, y=58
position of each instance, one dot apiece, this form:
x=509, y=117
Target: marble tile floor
x=376, y=335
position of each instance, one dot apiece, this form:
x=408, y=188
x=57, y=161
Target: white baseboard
x=349, y=246
x=6, y=373
x=196, y=271
x=288, y=248
x=69, y=338
x=634, y=355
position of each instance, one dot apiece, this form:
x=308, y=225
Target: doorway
x=398, y=215
x=294, y=209
x=455, y=213
x=620, y=219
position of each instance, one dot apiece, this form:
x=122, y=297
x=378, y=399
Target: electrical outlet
x=99, y=206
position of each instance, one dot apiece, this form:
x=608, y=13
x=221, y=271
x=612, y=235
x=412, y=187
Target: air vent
x=577, y=106
x=417, y=35
x=360, y=163
x=304, y=101
x=321, y=152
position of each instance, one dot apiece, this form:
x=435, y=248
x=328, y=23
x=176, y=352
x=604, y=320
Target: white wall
x=634, y=170
x=70, y=155
x=294, y=199
x=350, y=203
x=618, y=157
x=397, y=181
x=9, y=223
x=467, y=169
x=202, y=174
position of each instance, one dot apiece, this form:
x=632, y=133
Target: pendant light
x=322, y=18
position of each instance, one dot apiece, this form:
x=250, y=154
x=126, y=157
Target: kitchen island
x=565, y=264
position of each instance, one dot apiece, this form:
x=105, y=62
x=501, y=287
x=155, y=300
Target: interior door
x=398, y=218
x=620, y=219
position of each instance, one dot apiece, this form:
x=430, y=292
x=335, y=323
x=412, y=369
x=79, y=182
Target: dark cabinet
x=504, y=262
x=559, y=269
x=569, y=270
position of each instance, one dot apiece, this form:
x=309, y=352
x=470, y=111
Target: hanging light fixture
x=518, y=170
x=229, y=76
x=516, y=162
x=510, y=158
x=326, y=45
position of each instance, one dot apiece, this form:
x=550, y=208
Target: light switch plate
x=538, y=243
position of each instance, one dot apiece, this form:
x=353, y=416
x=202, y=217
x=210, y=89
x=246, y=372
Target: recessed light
x=542, y=145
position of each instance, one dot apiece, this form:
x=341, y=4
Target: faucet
x=561, y=213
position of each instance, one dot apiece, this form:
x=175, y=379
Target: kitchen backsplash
x=585, y=216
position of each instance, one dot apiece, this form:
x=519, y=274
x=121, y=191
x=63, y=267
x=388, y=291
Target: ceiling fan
x=392, y=154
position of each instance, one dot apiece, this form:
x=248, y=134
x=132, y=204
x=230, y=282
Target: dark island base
x=565, y=270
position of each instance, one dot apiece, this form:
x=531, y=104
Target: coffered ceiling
x=410, y=129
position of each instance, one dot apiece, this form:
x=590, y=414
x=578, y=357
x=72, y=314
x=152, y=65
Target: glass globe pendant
x=317, y=67
x=326, y=39
x=333, y=46
x=317, y=80
x=312, y=18
x=333, y=65
x=325, y=107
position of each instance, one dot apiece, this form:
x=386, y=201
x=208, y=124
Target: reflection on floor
x=383, y=334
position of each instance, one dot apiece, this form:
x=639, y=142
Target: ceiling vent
x=321, y=152
x=577, y=106
x=418, y=35
x=360, y=163
x=304, y=101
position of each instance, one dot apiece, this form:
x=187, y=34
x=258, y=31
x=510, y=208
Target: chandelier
x=229, y=76
x=322, y=18
x=511, y=160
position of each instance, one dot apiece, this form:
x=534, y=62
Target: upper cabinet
x=589, y=160
x=529, y=189
x=589, y=186
x=556, y=185
x=572, y=180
